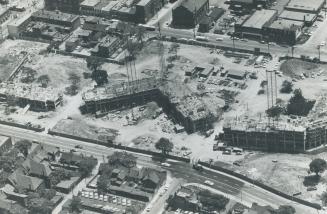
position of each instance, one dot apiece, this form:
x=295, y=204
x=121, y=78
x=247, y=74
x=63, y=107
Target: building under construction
x=30, y=97
x=279, y=137
x=190, y=111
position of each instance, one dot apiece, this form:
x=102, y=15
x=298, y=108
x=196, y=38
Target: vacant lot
x=285, y=172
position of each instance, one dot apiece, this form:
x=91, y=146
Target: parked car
x=165, y=164
x=209, y=183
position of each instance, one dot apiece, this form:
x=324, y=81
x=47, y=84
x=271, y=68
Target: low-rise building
x=307, y=18
x=146, y=9
x=57, y=18
x=107, y=46
x=253, y=26
x=209, y=20
x=190, y=13
x=69, y=6
x=312, y=6
x=284, y=31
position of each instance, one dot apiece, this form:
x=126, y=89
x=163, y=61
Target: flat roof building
x=306, y=18
x=306, y=6
x=253, y=25
x=284, y=31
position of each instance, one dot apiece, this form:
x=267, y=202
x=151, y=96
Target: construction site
x=30, y=97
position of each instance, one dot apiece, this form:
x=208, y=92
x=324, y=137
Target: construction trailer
x=278, y=137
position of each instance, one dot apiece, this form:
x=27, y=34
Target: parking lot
x=109, y=202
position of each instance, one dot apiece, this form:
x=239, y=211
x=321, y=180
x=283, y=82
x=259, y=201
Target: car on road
x=323, y=43
x=148, y=209
x=219, y=39
x=244, y=40
x=79, y=147
x=209, y=183
x=165, y=164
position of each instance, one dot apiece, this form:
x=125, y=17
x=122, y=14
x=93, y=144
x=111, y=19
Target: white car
x=165, y=164
x=209, y=183
x=323, y=43
x=148, y=209
x=219, y=39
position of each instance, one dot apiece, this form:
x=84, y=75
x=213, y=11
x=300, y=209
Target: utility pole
x=318, y=47
x=233, y=38
x=292, y=49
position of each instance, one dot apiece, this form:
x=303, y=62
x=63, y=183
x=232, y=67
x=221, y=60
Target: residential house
x=185, y=199
x=23, y=182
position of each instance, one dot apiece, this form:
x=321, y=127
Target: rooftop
x=122, y=89
x=55, y=15
x=298, y=16
x=312, y=5
x=286, y=24
x=90, y=3
x=249, y=125
x=193, y=5
x=259, y=18
x=3, y=139
x=29, y=91
x=193, y=107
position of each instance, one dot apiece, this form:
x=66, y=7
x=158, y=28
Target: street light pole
x=318, y=47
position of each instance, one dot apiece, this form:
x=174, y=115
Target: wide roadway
x=224, y=183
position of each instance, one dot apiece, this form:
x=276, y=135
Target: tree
x=317, y=166
x=102, y=183
x=164, y=145
x=285, y=209
x=275, y=111
x=93, y=63
x=122, y=159
x=75, y=205
x=323, y=198
x=86, y=166
x=23, y=146
x=100, y=77
x=298, y=105
x=287, y=87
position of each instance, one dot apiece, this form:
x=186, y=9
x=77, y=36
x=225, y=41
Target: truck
x=202, y=38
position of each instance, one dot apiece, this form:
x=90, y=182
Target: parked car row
x=107, y=198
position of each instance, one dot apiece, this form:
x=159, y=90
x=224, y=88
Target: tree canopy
x=298, y=105
x=122, y=159
x=100, y=77
x=287, y=87
x=285, y=209
x=318, y=165
x=164, y=145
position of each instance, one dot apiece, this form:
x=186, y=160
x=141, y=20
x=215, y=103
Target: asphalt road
x=249, y=45
x=181, y=170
